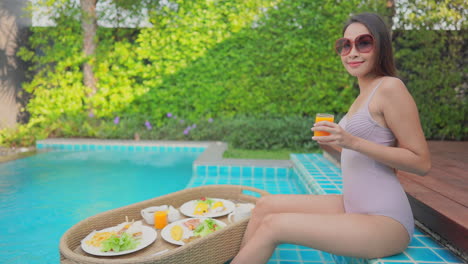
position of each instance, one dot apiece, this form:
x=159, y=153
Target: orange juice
x=323, y=117
x=160, y=219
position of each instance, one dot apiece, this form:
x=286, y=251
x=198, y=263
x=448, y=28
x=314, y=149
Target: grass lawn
x=281, y=154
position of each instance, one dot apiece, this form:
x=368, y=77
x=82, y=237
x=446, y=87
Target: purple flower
x=186, y=131
x=116, y=120
x=210, y=120
x=182, y=121
x=169, y=115
x=194, y=126
x=91, y=114
x=148, y=125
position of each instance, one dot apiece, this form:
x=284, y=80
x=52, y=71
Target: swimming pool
x=43, y=195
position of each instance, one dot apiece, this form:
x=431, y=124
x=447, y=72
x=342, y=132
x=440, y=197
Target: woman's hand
x=338, y=136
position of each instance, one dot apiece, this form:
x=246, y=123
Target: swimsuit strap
x=373, y=92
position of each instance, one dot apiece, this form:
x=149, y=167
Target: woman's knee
x=263, y=206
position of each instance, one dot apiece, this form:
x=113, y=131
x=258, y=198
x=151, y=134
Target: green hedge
x=233, y=60
x=433, y=66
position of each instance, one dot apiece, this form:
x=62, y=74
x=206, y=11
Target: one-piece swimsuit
x=371, y=187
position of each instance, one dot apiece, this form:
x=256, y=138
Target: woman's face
x=358, y=64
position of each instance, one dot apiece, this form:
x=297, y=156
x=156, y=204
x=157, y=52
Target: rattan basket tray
x=215, y=248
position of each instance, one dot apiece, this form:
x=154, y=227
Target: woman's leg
x=309, y=204
x=364, y=236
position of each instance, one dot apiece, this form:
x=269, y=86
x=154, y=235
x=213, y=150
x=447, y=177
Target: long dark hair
x=385, y=64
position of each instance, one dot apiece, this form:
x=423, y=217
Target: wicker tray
x=215, y=248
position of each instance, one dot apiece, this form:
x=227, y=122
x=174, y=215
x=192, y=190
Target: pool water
x=44, y=195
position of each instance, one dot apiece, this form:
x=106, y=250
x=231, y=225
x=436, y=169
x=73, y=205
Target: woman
x=381, y=133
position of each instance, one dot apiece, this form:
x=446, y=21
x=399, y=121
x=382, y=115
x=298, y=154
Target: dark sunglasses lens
x=343, y=46
x=365, y=43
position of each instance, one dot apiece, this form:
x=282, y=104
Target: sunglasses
x=363, y=44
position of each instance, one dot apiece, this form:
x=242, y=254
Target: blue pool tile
x=223, y=181
x=270, y=172
x=418, y=232
x=286, y=246
x=131, y=148
x=235, y=181
x=246, y=182
x=201, y=170
x=211, y=181
x=430, y=242
x=327, y=257
x=448, y=256
x=289, y=255
x=398, y=257
x=246, y=171
x=416, y=243
x=311, y=255
x=282, y=172
x=422, y=254
x=258, y=172
x=400, y=262
x=224, y=171
x=235, y=171
x=138, y=148
x=259, y=186
x=332, y=191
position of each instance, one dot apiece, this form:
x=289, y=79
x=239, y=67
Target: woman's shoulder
x=392, y=86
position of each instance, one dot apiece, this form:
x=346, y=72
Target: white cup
x=148, y=213
x=172, y=213
x=242, y=211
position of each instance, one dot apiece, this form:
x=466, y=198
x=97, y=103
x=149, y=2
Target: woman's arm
x=401, y=116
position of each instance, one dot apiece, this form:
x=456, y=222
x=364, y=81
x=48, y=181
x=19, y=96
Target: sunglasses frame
x=354, y=44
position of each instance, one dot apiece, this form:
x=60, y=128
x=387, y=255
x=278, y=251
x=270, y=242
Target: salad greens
x=207, y=201
x=119, y=243
x=206, y=227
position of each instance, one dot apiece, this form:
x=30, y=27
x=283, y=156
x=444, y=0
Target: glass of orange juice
x=323, y=117
x=160, y=219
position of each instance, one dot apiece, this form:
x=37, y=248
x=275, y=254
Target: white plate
x=149, y=236
x=166, y=231
x=188, y=208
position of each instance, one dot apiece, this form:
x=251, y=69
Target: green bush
x=431, y=64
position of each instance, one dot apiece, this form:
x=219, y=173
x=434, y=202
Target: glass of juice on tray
x=160, y=219
x=323, y=117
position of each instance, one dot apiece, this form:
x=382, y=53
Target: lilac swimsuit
x=371, y=187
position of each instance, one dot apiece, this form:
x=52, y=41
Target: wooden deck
x=440, y=199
